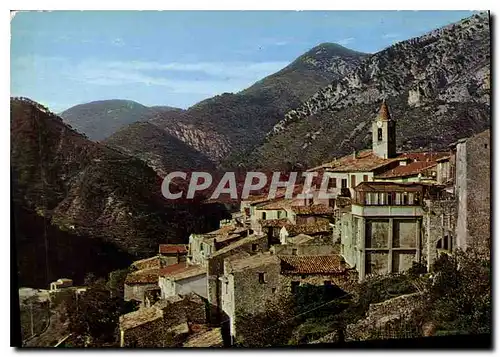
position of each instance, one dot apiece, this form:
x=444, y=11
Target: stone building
x=473, y=187
x=385, y=233
x=249, y=283
x=168, y=323
x=320, y=229
x=392, y=225
x=380, y=163
x=173, y=253
x=138, y=282
x=252, y=245
x=190, y=279
x=202, y=246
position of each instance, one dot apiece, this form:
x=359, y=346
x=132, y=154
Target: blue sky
x=178, y=58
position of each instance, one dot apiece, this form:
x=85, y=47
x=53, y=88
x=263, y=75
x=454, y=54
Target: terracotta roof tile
x=313, y=209
x=382, y=186
x=210, y=338
x=144, y=276
x=276, y=204
x=412, y=169
x=318, y=227
x=274, y=222
x=173, y=249
x=315, y=264
x=365, y=160
x=140, y=317
x=148, y=263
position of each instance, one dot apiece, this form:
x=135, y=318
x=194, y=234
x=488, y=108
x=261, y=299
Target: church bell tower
x=384, y=134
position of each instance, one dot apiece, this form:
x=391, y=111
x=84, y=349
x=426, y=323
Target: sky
x=178, y=58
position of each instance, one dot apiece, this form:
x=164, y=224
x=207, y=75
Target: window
x=332, y=183
x=353, y=181
x=405, y=198
x=389, y=199
x=279, y=214
x=295, y=286
x=445, y=243
x=273, y=290
x=263, y=215
x=365, y=178
x=344, y=183
x=379, y=134
x=294, y=251
x=255, y=247
x=411, y=199
x=262, y=278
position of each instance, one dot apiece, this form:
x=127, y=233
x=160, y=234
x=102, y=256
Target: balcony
x=386, y=211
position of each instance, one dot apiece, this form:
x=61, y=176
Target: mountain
x=160, y=150
x=437, y=87
x=81, y=206
x=100, y=119
x=232, y=124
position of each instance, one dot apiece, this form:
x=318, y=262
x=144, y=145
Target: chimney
x=354, y=154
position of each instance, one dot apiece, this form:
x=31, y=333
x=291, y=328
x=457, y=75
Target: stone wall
x=473, y=186
x=136, y=291
x=479, y=197
x=439, y=222
x=381, y=315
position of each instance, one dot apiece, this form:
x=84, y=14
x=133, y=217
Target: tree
x=459, y=295
x=272, y=327
x=94, y=315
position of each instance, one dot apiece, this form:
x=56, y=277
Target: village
x=390, y=211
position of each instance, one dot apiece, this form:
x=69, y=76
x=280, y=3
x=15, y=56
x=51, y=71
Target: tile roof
x=188, y=272
x=173, y=249
x=280, y=203
x=312, y=264
x=252, y=261
x=424, y=155
x=238, y=243
x=150, y=276
x=364, y=161
x=301, y=239
x=318, y=227
x=411, y=169
x=313, y=209
x=144, y=276
x=383, y=186
x=274, y=222
x=210, y=338
x=153, y=262
x=142, y=316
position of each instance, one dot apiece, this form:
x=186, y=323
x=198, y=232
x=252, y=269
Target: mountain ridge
x=443, y=75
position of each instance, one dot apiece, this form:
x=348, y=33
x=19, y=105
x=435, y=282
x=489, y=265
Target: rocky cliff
x=232, y=124
x=84, y=194
x=437, y=86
